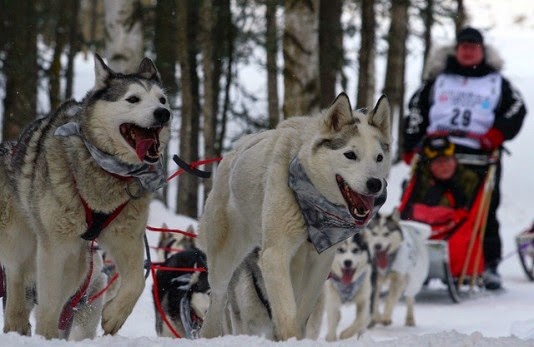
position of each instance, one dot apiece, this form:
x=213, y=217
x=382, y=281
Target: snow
x=484, y=319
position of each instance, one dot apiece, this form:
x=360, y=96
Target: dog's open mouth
x=347, y=274
x=382, y=259
x=360, y=206
x=145, y=141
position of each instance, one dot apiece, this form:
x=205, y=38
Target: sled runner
x=525, y=250
x=456, y=211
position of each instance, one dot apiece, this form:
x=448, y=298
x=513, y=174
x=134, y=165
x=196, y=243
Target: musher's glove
x=491, y=140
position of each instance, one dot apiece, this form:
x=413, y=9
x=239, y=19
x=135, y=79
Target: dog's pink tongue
x=142, y=147
x=367, y=201
x=382, y=259
x=347, y=276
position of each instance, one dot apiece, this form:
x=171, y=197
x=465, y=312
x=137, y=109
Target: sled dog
x=248, y=311
x=170, y=243
x=401, y=258
x=349, y=283
x=86, y=171
x=294, y=192
x=183, y=295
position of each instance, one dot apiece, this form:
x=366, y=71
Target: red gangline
x=97, y=295
x=166, y=230
x=158, y=304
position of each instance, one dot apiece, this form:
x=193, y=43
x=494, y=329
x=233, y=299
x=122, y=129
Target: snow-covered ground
x=486, y=319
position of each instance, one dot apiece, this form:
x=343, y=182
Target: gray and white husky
x=86, y=171
x=401, y=259
x=349, y=284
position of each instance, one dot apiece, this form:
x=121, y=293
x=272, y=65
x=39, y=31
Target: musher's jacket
x=455, y=98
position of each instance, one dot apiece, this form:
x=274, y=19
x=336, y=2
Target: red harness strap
x=97, y=221
x=65, y=320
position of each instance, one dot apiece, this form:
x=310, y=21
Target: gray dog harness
x=328, y=224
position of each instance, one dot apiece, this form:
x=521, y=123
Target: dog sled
x=525, y=250
x=455, y=244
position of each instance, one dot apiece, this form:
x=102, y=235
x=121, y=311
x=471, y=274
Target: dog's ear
x=148, y=70
x=380, y=116
x=102, y=72
x=339, y=113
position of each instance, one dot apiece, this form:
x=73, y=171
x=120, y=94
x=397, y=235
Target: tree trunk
x=20, y=67
x=165, y=43
x=187, y=199
x=214, y=19
x=428, y=19
x=54, y=72
x=461, y=16
x=271, y=47
x=394, y=84
x=366, y=56
x=124, y=34
x=74, y=45
x=301, y=58
x=330, y=49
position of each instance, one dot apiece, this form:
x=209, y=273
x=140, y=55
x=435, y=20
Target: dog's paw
x=386, y=321
x=113, y=318
x=330, y=337
x=348, y=333
x=23, y=328
x=410, y=322
x=285, y=332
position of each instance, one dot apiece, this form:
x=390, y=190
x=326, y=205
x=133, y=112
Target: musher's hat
x=469, y=34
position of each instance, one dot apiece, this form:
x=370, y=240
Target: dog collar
x=328, y=224
x=150, y=177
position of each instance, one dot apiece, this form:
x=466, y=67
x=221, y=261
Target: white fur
x=408, y=270
x=251, y=205
x=359, y=259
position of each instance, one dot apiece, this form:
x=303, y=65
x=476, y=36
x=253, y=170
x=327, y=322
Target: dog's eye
x=350, y=155
x=133, y=99
x=340, y=250
x=355, y=250
x=379, y=158
x=162, y=100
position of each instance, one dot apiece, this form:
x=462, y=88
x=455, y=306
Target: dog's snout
x=374, y=185
x=162, y=115
x=347, y=263
x=378, y=247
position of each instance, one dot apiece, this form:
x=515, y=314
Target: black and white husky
x=183, y=295
x=349, y=284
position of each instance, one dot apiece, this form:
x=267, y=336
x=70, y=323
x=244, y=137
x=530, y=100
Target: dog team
x=290, y=230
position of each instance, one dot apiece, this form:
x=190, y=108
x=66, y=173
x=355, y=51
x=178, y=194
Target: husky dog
x=170, y=243
x=86, y=171
x=349, y=283
x=294, y=192
x=248, y=311
x=401, y=257
x=183, y=295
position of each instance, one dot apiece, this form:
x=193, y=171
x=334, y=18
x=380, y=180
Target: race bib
x=464, y=104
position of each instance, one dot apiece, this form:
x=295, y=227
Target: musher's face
x=443, y=167
x=469, y=54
